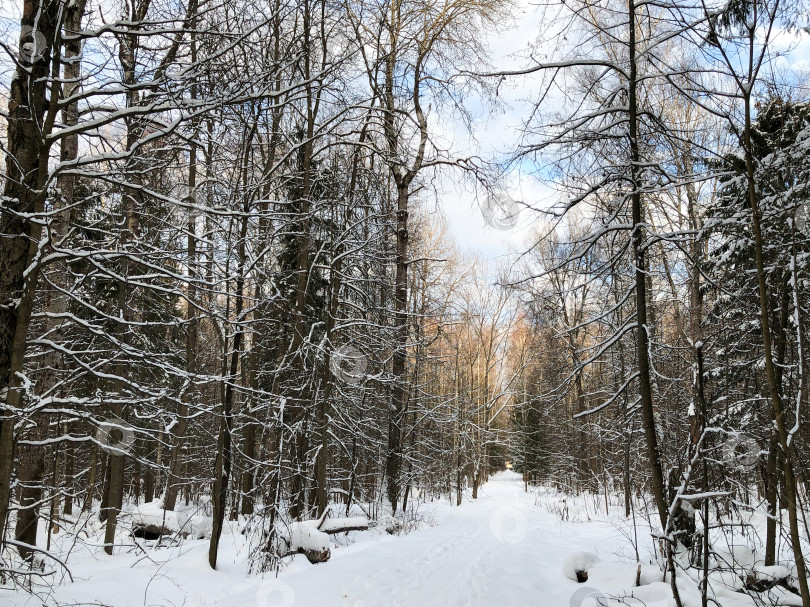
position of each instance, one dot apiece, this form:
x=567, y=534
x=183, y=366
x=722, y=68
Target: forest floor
x=508, y=548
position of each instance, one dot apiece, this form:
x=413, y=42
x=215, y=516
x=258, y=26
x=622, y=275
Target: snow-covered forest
x=360, y=303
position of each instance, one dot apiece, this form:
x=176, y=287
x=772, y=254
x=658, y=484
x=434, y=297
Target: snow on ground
x=506, y=549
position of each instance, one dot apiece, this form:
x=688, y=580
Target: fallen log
x=764, y=578
x=311, y=538
x=150, y=532
x=305, y=538
x=342, y=525
x=316, y=556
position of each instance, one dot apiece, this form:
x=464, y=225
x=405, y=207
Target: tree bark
x=770, y=367
x=127, y=55
x=32, y=456
x=393, y=467
x=180, y=429
x=30, y=121
x=639, y=258
x=219, y=494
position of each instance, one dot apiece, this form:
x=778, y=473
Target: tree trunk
x=87, y=505
x=394, y=459
x=30, y=121
x=70, y=454
x=639, y=257
x=223, y=463
x=303, y=398
x=180, y=429
x=770, y=367
x=30, y=478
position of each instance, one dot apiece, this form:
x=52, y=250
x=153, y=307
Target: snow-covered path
x=500, y=550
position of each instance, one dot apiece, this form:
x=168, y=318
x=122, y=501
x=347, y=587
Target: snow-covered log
x=341, y=525
x=305, y=538
x=762, y=578
x=150, y=521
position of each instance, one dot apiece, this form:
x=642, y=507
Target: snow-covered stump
x=577, y=564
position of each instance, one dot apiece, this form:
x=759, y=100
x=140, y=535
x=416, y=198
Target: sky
x=493, y=137
x=496, y=133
